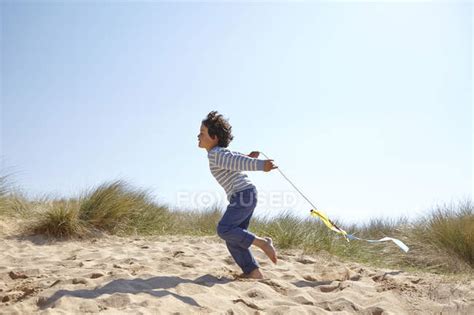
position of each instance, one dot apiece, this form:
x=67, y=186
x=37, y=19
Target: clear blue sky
x=366, y=107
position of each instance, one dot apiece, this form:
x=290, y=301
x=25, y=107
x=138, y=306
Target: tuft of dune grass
x=12, y=203
x=454, y=230
x=60, y=220
x=115, y=208
x=118, y=208
x=444, y=238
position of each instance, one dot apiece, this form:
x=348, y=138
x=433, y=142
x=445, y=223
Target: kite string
x=309, y=201
x=291, y=183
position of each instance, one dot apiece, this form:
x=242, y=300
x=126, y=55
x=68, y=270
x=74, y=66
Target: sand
x=184, y=275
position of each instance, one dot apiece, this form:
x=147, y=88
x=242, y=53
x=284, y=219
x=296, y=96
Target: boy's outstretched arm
x=268, y=166
x=235, y=161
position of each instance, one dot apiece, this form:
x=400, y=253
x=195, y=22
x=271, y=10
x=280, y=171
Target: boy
x=227, y=166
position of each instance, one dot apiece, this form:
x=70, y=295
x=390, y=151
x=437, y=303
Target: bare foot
x=269, y=250
x=254, y=274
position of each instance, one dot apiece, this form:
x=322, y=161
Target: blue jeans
x=233, y=226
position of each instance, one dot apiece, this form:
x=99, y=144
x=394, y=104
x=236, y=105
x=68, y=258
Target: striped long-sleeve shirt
x=227, y=166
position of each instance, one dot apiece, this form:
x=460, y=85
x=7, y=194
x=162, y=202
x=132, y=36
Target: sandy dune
x=182, y=275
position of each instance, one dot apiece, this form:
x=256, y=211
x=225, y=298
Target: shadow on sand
x=138, y=285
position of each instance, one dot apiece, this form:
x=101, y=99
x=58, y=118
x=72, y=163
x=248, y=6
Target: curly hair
x=218, y=126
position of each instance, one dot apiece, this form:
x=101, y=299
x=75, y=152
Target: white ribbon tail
x=396, y=241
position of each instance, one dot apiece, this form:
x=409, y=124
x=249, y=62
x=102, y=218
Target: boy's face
x=205, y=141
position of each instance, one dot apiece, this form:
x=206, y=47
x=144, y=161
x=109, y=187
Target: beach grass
x=441, y=241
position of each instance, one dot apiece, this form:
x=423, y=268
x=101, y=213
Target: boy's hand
x=269, y=165
x=254, y=154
